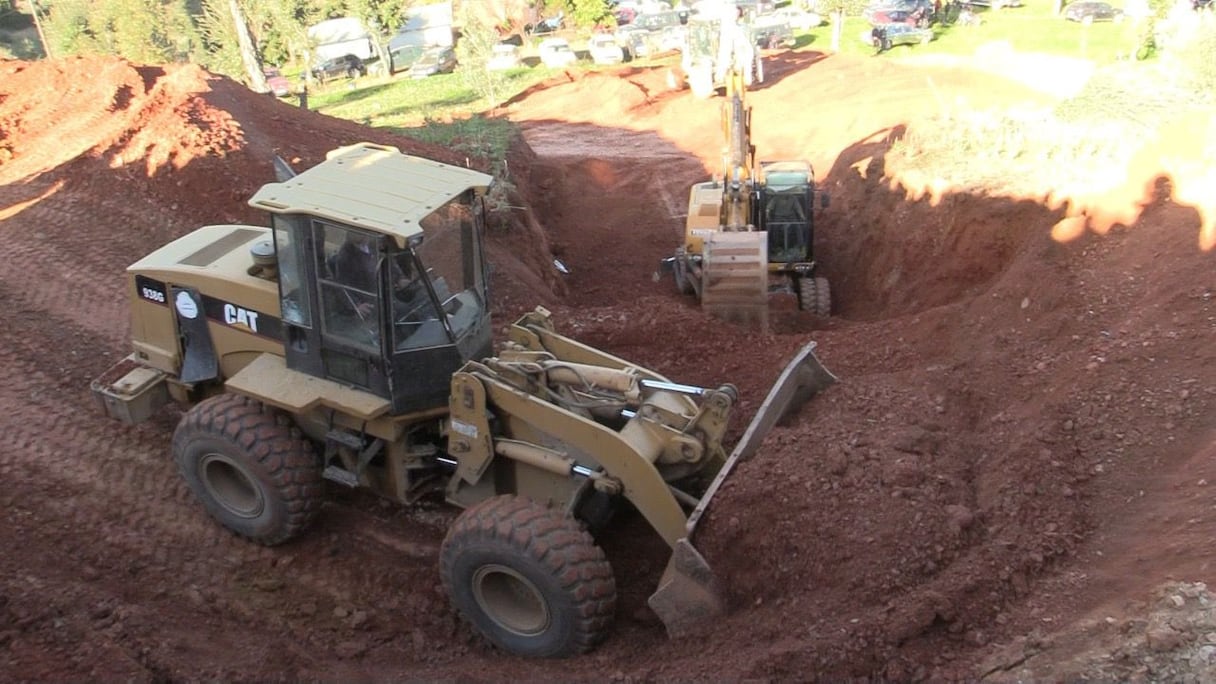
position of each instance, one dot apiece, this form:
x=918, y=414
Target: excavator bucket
x=688, y=592
x=735, y=282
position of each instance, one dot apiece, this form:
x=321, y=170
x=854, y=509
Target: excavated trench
x=862, y=510
x=898, y=525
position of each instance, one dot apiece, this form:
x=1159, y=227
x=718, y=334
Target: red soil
x=1021, y=437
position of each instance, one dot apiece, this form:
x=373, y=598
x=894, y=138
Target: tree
x=580, y=13
x=588, y=13
x=36, y=13
x=382, y=18
x=221, y=53
x=473, y=53
x=249, y=54
x=280, y=28
x=148, y=31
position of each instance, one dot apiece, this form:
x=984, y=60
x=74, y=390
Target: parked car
x=1088, y=11
x=440, y=59
x=556, y=53
x=549, y=25
x=277, y=82
x=503, y=56
x=915, y=12
x=604, y=50
x=771, y=32
x=887, y=36
x=349, y=66
x=403, y=57
x=797, y=18
x=636, y=40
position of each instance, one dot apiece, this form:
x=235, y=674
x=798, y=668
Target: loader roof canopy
x=371, y=186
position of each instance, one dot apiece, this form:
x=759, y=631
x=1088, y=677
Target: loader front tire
x=252, y=471
x=528, y=578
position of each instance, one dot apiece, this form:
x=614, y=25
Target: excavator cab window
x=787, y=210
x=785, y=219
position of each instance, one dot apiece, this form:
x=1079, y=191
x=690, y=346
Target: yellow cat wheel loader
x=351, y=341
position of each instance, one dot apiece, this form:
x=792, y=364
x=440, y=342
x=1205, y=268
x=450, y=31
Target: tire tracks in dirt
x=93, y=478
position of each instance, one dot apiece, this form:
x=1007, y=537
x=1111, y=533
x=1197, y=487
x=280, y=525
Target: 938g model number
x=153, y=295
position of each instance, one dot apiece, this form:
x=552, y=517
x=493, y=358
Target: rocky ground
x=1010, y=482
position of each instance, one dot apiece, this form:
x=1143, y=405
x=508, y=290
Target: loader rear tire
x=250, y=468
x=528, y=578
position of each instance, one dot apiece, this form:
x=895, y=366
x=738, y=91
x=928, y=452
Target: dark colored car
x=885, y=37
x=550, y=25
x=434, y=60
x=914, y=12
x=1091, y=10
x=349, y=66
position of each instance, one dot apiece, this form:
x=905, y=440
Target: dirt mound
x=1021, y=436
x=185, y=147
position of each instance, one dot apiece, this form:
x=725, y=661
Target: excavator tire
x=528, y=578
x=251, y=469
x=815, y=296
x=682, y=277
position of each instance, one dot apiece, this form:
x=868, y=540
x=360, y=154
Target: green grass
x=1032, y=28
x=446, y=108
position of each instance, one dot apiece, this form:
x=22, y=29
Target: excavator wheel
x=250, y=468
x=682, y=277
x=815, y=296
x=528, y=578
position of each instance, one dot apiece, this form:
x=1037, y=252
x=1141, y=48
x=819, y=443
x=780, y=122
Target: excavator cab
x=390, y=309
x=785, y=211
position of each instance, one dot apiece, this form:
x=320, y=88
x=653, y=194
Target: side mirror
x=824, y=200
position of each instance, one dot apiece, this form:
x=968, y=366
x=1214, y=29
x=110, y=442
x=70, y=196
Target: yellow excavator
x=297, y=365
x=749, y=233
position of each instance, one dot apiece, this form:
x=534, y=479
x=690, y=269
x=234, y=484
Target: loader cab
x=382, y=276
x=786, y=201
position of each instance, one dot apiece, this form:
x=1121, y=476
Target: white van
x=503, y=56
x=556, y=53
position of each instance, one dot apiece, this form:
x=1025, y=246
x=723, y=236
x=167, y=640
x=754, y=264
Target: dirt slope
x=1022, y=438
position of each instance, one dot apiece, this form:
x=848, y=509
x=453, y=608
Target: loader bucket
x=688, y=592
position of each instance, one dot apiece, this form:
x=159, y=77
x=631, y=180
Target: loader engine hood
x=218, y=282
